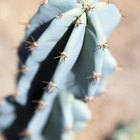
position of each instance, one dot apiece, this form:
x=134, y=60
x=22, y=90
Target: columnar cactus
x=64, y=62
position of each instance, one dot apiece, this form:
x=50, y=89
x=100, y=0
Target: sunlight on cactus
x=64, y=62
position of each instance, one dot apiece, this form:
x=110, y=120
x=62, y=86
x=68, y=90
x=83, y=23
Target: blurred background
x=119, y=107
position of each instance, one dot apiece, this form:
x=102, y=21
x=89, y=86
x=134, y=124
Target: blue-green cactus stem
x=64, y=60
x=46, y=43
x=73, y=47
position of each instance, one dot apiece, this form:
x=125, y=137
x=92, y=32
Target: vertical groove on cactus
x=47, y=66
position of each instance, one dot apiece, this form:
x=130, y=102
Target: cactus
x=64, y=62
